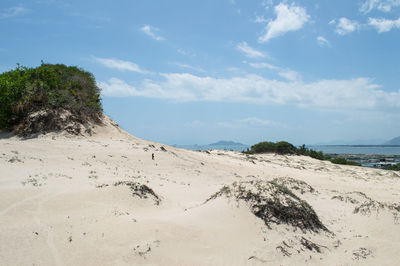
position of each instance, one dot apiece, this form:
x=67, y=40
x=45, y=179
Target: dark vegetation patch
x=140, y=190
x=308, y=244
x=343, y=161
x=361, y=253
x=298, y=244
x=281, y=147
x=295, y=184
x=48, y=98
x=393, y=167
x=273, y=203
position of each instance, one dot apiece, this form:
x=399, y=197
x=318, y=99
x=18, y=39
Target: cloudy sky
x=185, y=72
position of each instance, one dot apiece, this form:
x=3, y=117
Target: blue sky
x=185, y=72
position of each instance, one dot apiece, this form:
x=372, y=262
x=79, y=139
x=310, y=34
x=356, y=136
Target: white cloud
x=117, y=88
x=346, y=26
x=339, y=95
x=264, y=65
x=290, y=75
x=182, y=65
x=287, y=74
x=120, y=65
x=181, y=51
x=368, y=5
x=249, y=51
x=13, y=12
x=384, y=25
x=288, y=18
x=381, y=5
x=234, y=69
x=267, y=3
x=322, y=41
x=150, y=31
x=260, y=19
x=185, y=52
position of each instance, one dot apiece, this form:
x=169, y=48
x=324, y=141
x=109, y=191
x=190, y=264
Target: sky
x=195, y=72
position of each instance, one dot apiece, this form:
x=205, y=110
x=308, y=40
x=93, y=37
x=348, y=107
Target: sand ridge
x=102, y=200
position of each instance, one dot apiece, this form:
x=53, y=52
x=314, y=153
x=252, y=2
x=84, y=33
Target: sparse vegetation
x=365, y=205
x=24, y=91
x=140, y=190
x=295, y=184
x=273, y=203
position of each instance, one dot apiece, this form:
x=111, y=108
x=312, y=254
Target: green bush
x=316, y=154
x=393, y=167
x=303, y=150
x=343, y=161
x=281, y=147
x=284, y=147
x=263, y=147
x=26, y=90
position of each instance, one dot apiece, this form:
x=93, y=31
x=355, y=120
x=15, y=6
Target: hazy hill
x=394, y=141
x=227, y=143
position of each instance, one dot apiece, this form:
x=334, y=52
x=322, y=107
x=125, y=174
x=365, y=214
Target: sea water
x=357, y=149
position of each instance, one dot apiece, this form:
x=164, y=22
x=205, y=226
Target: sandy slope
x=60, y=205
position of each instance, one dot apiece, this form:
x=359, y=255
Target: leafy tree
x=26, y=90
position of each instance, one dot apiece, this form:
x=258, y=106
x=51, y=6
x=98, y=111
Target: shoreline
x=369, y=160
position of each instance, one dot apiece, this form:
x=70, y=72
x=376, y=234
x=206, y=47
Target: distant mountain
x=395, y=141
x=226, y=143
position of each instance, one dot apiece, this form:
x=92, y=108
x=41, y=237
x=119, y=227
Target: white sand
x=59, y=206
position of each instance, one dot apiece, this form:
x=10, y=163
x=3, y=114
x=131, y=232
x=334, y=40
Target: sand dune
x=102, y=200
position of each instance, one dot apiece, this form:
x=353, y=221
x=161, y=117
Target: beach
x=103, y=200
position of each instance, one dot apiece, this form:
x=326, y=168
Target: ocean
x=358, y=149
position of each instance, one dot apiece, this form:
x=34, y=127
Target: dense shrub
x=284, y=147
x=263, y=147
x=281, y=147
x=343, y=161
x=316, y=154
x=26, y=90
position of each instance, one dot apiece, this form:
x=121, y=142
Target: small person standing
x=152, y=156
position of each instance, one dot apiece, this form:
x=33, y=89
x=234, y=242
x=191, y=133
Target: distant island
x=394, y=141
x=227, y=143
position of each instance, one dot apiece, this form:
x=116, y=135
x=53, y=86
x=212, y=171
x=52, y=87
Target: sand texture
x=102, y=200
